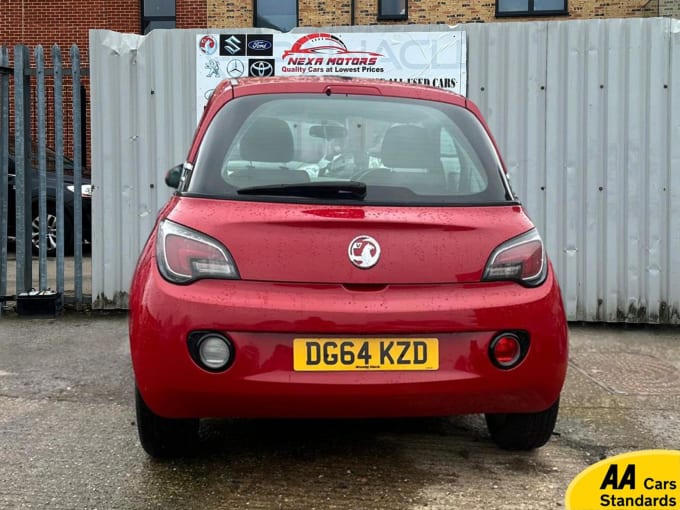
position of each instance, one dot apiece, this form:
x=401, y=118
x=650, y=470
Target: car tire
x=164, y=438
x=51, y=230
x=522, y=431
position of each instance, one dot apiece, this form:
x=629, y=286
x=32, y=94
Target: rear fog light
x=507, y=350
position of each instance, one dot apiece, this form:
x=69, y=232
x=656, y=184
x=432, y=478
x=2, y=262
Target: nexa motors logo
x=322, y=49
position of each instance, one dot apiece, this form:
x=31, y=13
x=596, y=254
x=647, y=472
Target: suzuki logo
x=261, y=69
x=232, y=45
x=364, y=252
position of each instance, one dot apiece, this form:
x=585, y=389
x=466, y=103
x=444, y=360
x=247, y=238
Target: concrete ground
x=51, y=275
x=68, y=437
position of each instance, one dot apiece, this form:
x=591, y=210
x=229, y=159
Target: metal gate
x=42, y=192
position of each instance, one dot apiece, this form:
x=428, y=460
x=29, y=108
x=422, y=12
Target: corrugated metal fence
x=31, y=197
x=586, y=113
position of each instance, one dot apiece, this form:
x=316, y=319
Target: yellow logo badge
x=644, y=479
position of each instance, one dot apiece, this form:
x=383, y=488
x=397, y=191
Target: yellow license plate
x=341, y=354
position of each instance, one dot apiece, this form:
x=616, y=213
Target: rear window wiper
x=328, y=189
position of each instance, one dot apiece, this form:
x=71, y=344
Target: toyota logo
x=364, y=252
x=261, y=69
x=235, y=68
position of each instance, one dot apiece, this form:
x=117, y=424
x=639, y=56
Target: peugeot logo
x=259, y=45
x=364, y=252
x=261, y=69
x=235, y=68
x=232, y=45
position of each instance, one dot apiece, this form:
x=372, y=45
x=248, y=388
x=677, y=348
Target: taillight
x=521, y=259
x=185, y=255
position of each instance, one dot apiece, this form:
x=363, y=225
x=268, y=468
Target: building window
x=277, y=14
x=392, y=9
x=531, y=7
x=158, y=14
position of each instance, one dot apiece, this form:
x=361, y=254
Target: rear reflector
x=506, y=350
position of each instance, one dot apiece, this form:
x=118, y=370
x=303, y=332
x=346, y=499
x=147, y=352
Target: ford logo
x=259, y=45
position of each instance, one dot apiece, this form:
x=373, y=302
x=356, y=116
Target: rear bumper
x=262, y=319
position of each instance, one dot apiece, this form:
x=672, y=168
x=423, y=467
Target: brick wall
x=614, y=9
x=229, y=13
x=191, y=13
x=63, y=22
x=669, y=8
x=239, y=13
x=67, y=22
x=325, y=12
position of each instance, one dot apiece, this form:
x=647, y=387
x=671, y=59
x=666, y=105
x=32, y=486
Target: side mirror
x=173, y=176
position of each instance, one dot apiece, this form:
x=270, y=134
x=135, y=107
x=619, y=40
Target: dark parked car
x=86, y=193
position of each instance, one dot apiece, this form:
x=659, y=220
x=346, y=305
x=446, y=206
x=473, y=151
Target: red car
x=344, y=248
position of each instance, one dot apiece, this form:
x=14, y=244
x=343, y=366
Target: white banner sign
x=429, y=58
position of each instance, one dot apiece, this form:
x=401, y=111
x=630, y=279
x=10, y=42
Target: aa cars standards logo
x=364, y=252
x=644, y=479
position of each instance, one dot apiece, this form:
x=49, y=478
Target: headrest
x=267, y=139
x=408, y=146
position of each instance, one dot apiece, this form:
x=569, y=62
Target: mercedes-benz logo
x=261, y=69
x=235, y=68
x=364, y=252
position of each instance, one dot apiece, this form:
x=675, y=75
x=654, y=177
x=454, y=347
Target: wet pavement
x=68, y=437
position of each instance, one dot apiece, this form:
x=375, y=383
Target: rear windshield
x=402, y=151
